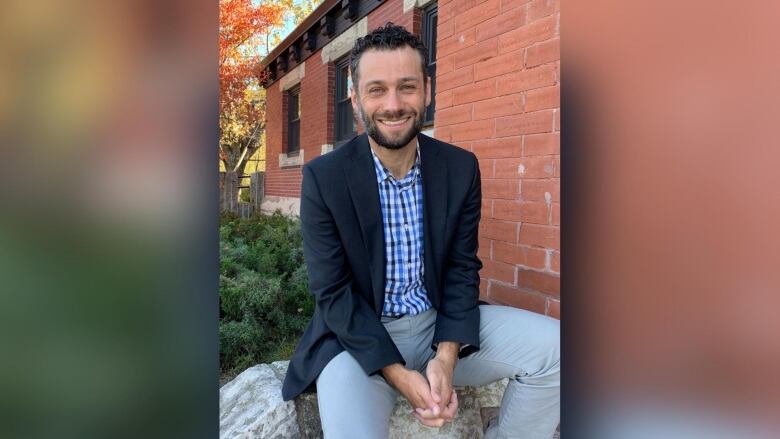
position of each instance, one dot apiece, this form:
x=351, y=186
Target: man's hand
x=439, y=372
x=414, y=387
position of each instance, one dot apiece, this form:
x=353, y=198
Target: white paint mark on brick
x=461, y=39
x=521, y=169
x=548, y=168
x=548, y=197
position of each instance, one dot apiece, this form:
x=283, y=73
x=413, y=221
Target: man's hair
x=388, y=37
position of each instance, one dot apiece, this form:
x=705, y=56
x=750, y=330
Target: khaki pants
x=514, y=343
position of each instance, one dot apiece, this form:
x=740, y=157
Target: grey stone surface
x=251, y=406
x=403, y=425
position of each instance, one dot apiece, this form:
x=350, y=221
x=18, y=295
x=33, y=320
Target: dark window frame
x=430, y=16
x=293, y=146
x=343, y=118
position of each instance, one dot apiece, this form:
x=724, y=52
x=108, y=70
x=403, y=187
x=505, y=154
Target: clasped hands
x=434, y=400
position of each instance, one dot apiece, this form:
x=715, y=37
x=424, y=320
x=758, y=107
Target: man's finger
x=430, y=402
x=435, y=383
x=426, y=413
x=451, y=410
x=435, y=423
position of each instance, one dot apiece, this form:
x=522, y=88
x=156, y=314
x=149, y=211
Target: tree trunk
x=229, y=193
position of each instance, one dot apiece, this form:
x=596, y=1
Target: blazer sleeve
x=458, y=314
x=345, y=311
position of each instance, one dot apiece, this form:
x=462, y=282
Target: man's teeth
x=394, y=122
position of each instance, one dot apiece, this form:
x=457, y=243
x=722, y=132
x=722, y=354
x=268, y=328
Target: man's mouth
x=394, y=122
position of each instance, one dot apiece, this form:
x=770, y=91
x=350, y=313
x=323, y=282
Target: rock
x=251, y=406
x=467, y=423
x=240, y=404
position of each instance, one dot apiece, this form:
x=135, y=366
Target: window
x=294, y=121
x=346, y=128
x=430, y=18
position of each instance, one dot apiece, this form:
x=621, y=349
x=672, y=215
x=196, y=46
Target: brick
x=555, y=262
x=536, y=190
x=484, y=249
x=476, y=53
x=443, y=99
x=542, y=144
x=511, y=4
x=474, y=92
x=461, y=6
x=504, y=189
x=507, y=168
x=476, y=15
x=498, y=271
x=497, y=107
x=443, y=133
x=486, y=168
x=456, y=42
x=529, y=123
x=464, y=145
x=499, y=65
x=537, y=167
x=555, y=215
x=453, y=115
x=445, y=30
x=524, y=211
x=538, y=281
x=540, y=236
x=519, y=255
x=543, y=98
x=540, y=8
x=557, y=119
x=554, y=308
x=498, y=230
x=445, y=64
x=472, y=130
x=486, y=211
x=498, y=148
x=541, y=53
x=529, y=79
x=483, y=289
x=516, y=297
x=533, y=32
x=457, y=78
x=502, y=23
x=444, y=12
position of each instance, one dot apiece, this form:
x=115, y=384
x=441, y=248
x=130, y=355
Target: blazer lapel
x=434, y=178
x=364, y=191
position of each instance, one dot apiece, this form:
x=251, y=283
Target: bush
x=264, y=297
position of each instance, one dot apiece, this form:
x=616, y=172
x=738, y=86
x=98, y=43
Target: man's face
x=391, y=96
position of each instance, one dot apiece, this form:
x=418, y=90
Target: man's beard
x=402, y=140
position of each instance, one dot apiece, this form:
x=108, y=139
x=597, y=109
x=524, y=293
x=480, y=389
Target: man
x=390, y=224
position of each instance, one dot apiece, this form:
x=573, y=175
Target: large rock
x=403, y=425
x=251, y=406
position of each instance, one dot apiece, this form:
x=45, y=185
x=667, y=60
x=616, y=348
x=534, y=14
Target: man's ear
x=427, y=92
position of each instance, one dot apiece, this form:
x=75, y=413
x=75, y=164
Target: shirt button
x=406, y=226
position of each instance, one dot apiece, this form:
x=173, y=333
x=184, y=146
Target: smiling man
x=390, y=224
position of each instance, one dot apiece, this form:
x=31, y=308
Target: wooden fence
x=229, y=185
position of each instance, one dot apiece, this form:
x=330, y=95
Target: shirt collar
x=383, y=174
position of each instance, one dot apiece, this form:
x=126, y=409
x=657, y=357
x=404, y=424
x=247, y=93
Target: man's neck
x=397, y=161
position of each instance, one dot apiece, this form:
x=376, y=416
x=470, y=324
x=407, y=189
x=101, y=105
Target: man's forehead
x=385, y=64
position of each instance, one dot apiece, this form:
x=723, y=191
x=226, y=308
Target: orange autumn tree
x=241, y=98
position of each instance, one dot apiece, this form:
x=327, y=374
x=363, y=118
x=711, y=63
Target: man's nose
x=393, y=102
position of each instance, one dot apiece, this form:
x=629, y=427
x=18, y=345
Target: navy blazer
x=343, y=242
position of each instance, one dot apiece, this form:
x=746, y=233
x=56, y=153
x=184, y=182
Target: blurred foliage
x=264, y=299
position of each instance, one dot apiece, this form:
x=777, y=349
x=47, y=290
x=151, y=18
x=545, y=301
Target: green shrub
x=264, y=298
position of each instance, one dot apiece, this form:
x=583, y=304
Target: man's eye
x=409, y=87
x=375, y=90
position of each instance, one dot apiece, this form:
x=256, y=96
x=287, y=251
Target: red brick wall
x=498, y=95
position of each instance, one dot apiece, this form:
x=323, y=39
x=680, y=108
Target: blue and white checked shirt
x=402, y=216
